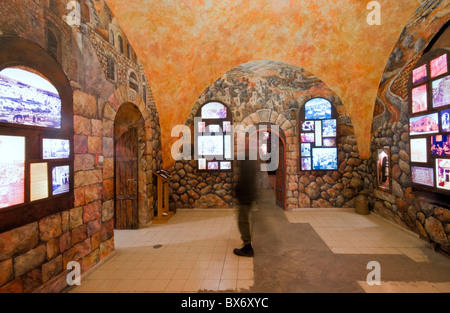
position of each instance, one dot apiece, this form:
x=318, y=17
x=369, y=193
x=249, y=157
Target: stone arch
x=126, y=95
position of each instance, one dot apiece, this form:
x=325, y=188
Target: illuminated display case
x=429, y=108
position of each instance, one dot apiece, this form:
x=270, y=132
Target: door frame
x=282, y=138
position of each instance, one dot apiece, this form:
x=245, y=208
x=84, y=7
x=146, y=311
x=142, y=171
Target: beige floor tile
x=175, y=285
x=244, y=284
x=210, y=284
x=107, y=285
x=193, y=285
x=158, y=285
x=227, y=284
x=230, y=274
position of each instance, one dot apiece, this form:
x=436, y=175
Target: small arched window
x=111, y=38
x=213, y=137
x=133, y=82
x=318, y=136
x=120, y=42
x=111, y=67
x=52, y=44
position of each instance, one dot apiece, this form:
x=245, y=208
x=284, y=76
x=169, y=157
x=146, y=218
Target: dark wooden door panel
x=127, y=180
x=281, y=178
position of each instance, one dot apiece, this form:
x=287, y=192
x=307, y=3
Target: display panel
x=318, y=109
x=440, y=145
x=202, y=164
x=425, y=124
x=441, y=92
x=419, y=99
x=55, y=148
x=419, y=151
x=329, y=128
x=210, y=145
x=28, y=99
x=307, y=137
x=308, y=126
x=445, y=120
x=214, y=129
x=420, y=74
x=214, y=110
x=225, y=165
x=439, y=66
x=12, y=171
x=443, y=173
x=228, y=147
x=213, y=165
x=227, y=127
x=324, y=158
x=60, y=179
x=306, y=164
x=306, y=149
x=38, y=181
x=383, y=168
x=201, y=127
x=329, y=142
x=318, y=135
x=422, y=175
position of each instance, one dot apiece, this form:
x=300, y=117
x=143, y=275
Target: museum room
x=200, y=146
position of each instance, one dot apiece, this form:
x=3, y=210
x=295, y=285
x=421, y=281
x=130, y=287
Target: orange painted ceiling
x=185, y=45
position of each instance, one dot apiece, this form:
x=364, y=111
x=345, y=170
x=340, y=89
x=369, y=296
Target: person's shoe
x=246, y=251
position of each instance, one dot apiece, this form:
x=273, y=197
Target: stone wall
x=391, y=128
x=268, y=92
x=33, y=257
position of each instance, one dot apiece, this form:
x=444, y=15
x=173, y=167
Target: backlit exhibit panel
x=423, y=175
x=439, y=66
x=214, y=110
x=60, y=179
x=441, y=92
x=324, y=158
x=443, y=173
x=420, y=74
x=12, y=171
x=28, y=99
x=419, y=99
x=425, y=124
x=419, y=151
x=38, y=181
x=318, y=109
x=210, y=145
x=55, y=148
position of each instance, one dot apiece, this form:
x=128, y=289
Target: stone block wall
x=391, y=128
x=33, y=257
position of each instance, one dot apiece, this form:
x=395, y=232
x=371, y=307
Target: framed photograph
x=441, y=92
x=438, y=66
x=227, y=127
x=308, y=126
x=28, y=99
x=61, y=179
x=214, y=128
x=445, y=120
x=440, y=145
x=210, y=145
x=38, y=181
x=307, y=137
x=324, y=159
x=225, y=165
x=306, y=164
x=202, y=164
x=228, y=146
x=318, y=109
x=213, y=165
x=443, y=174
x=329, y=142
x=419, y=99
x=201, y=127
x=422, y=175
x=318, y=132
x=426, y=124
x=383, y=168
x=214, y=110
x=329, y=128
x=12, y=171
x=55, y=148
x=306, y=149
x=419, y=151
x=420, y=74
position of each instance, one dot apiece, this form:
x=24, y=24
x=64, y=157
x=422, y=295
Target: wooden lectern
x=163, y=197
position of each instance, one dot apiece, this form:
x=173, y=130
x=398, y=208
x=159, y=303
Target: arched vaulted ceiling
x=185, y=45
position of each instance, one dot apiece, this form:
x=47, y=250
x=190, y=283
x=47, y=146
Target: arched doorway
x=276, y=177
x=129, y=174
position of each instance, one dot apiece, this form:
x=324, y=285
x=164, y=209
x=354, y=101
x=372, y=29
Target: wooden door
x=281, y=177
x=126, y=186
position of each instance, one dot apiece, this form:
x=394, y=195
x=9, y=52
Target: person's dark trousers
x=244, y=223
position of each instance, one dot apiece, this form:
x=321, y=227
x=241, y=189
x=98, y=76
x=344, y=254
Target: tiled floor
x=193, y=252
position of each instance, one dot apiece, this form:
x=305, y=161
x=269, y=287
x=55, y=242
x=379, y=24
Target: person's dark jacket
x=245, y=189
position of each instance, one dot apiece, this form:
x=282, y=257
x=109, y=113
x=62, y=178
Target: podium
x=164, y=214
